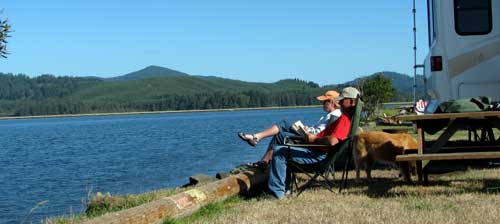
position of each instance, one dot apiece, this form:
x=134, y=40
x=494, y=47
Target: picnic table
x=485, y=122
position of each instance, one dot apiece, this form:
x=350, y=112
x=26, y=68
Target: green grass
x=389, y=112
x=459, y=197
x=416, y=202
x=102, y=204
x=206, y=212
x=446, y=194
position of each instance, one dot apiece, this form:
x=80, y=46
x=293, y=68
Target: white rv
x=464, y=50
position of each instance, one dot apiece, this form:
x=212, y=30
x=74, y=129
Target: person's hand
x=306, y=127
x=310, y=137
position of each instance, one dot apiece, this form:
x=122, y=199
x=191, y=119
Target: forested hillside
x=151, y=89
x=45, y=95
x=148, y=72
x=403, y=84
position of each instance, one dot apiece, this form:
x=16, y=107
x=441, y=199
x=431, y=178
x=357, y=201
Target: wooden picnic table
x=484, y=121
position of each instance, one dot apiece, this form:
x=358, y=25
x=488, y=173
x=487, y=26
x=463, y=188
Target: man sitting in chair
x=333, y=134
x=283, y=129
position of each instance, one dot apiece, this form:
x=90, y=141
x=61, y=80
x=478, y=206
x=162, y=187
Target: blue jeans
x=278, y=181
x=285, y=132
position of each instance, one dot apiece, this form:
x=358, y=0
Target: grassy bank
x=460, y=197
x=465, y=197
x=100, y=204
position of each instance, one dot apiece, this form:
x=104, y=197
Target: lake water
x=58, y=162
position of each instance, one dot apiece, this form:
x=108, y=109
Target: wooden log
x=201, y=179
x=187, y=202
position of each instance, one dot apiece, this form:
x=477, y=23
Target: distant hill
x=21, y=95
x=403, y=84
x=156, y=88
x=148, y=72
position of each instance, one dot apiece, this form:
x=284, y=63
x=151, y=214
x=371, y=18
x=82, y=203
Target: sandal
x=252, y=142
x=259, y=164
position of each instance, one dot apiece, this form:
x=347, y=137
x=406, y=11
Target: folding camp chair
x=325, y=167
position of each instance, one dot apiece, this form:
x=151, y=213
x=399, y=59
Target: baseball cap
x=348, y=92
x=329, y=95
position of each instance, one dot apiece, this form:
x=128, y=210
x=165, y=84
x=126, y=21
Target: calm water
x=59, y=161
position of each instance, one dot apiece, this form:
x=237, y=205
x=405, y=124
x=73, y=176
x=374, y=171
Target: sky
x=324, y=41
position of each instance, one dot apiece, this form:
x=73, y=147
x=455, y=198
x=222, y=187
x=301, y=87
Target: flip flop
x=259, y=164
x=252, y=142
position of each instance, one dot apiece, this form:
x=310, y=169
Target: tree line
x=211, y=100
x=18, y=87
x=21, y=95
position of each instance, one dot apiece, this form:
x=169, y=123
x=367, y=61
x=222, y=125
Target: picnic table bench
x=484, y=121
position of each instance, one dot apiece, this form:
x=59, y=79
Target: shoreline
x=154, y=112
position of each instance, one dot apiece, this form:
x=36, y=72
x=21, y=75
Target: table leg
x=426, y=178
x=420, y=151
x=419, y=172
x=491, y=136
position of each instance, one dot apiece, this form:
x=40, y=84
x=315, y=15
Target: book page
x=298, y=127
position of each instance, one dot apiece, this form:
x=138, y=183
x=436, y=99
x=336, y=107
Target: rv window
x=472, y=17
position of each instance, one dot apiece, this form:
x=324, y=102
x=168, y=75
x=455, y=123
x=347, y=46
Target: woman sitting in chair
x=282, y=130
x=331, y=136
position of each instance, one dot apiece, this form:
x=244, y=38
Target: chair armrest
x=288, y=143
x=306, y=145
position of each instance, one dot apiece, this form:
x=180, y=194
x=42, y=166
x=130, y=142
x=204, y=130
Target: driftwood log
x=187, y=202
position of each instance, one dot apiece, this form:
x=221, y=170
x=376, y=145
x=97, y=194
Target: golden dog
x=374, y=146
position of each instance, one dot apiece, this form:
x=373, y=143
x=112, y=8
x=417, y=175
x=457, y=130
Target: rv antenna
x=415, y=66
x=414, y=57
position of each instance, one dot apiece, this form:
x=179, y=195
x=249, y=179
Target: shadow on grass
x=443, y=184
x=448, y=183
x=384, y=187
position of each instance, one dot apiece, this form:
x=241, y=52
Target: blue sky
x=327, y=41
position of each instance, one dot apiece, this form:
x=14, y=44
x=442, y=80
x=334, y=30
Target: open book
x=299, y=128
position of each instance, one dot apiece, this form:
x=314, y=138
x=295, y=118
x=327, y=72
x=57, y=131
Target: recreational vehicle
x=464, y=50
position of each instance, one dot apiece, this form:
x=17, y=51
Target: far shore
x=155, y=112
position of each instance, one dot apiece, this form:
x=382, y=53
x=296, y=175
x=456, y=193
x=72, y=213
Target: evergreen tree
x=5, y=29
x=376, y=90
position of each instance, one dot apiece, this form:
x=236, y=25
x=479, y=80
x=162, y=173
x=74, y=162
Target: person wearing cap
x=283, y=129
x=331, y=107
x=331, y=135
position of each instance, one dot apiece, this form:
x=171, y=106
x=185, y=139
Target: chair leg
x=308, y=183
x=328, y=184
x=312, y=178
x=345, y=173
x=295, y=182
x=330, y=171
x=326, y=175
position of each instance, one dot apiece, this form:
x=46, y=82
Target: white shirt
x=324, y=121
